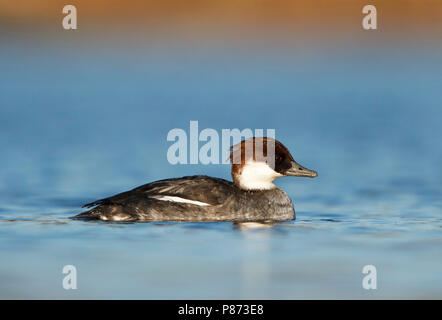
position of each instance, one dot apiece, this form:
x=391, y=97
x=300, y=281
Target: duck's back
x=192, y=198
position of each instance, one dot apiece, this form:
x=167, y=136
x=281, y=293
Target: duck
x=251, y=196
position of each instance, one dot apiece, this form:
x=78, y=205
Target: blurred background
x=85, y=114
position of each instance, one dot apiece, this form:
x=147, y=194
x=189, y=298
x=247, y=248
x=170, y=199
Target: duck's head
x=256, y=162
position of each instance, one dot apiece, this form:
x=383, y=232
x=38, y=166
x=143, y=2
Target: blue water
x=82, y=123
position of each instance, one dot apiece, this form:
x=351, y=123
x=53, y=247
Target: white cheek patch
x=257, y=176
x=178, y=199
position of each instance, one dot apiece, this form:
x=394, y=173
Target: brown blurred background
x=310, y=21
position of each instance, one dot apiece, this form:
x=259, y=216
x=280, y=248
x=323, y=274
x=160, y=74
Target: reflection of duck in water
x=251, y=197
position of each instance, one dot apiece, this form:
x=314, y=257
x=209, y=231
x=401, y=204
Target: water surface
x=80, y=124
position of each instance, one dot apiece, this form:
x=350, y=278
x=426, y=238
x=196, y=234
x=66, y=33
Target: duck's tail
x=87, y=215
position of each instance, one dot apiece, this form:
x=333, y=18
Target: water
x=78, y=124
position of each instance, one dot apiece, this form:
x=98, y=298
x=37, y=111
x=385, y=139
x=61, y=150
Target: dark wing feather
x=198, y=188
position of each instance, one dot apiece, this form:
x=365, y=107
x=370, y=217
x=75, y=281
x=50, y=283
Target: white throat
x=257, y=176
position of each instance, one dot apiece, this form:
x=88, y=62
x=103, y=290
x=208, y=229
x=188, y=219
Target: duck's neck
x=255, y=176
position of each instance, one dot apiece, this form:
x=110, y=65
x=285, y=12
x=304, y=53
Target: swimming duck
x=252, y=196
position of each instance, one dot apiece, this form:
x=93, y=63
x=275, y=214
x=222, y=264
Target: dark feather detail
x=226, y=202
x=197, y=188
